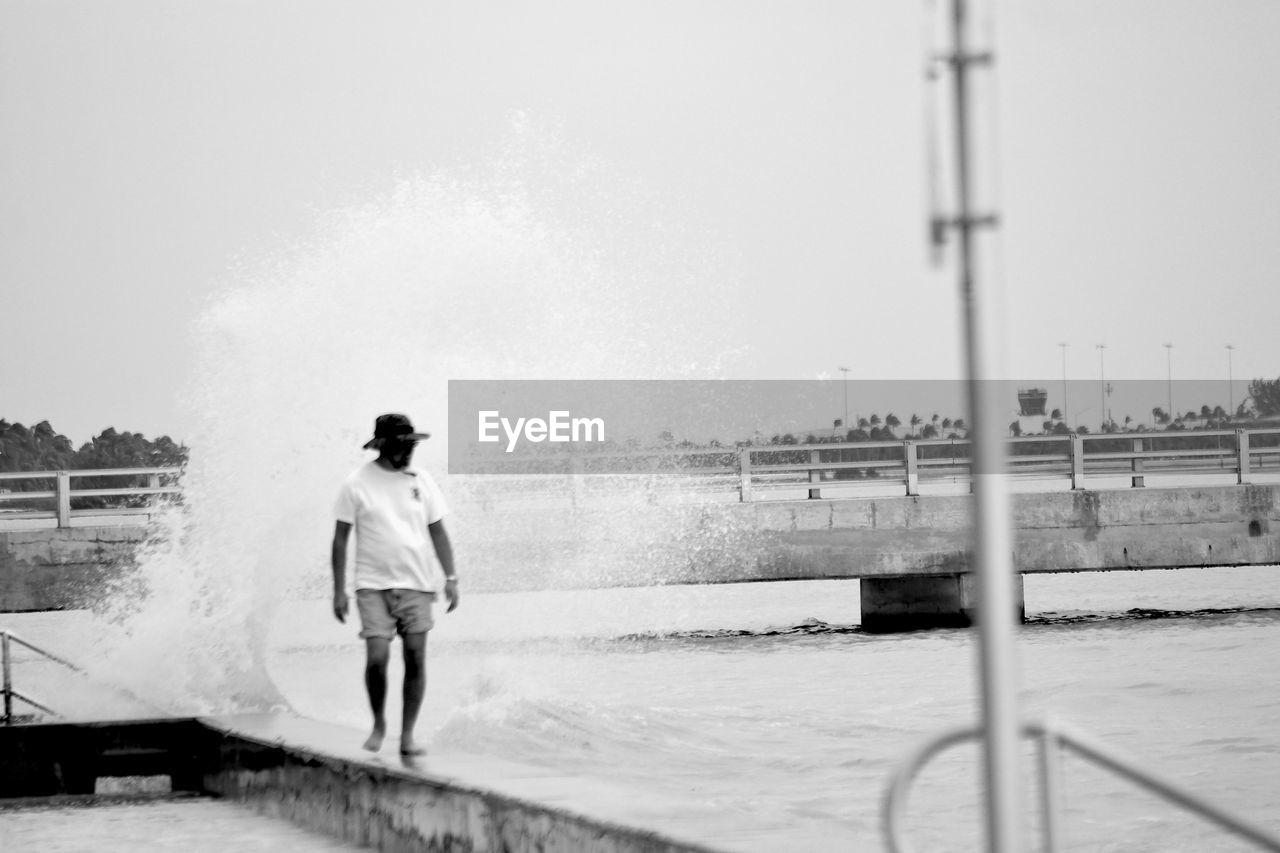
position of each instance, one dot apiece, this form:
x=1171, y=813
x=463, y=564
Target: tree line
x=41, y=448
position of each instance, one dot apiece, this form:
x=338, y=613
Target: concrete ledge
x=314, y=774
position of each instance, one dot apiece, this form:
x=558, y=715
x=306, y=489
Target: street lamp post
x=1168, y=351
x=845, y=371
x=1065, y=409
x=1102, y=384
x=1231, y=413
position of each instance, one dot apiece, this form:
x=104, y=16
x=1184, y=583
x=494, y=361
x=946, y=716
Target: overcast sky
x=152, y=151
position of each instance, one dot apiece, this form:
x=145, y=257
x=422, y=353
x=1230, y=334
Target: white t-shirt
x=390, y=511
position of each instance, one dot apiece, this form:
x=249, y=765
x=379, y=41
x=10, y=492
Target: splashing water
x=537, y=265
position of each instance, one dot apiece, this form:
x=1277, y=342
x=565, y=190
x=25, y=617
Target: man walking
x=403, y=559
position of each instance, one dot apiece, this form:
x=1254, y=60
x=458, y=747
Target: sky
x=151, y=151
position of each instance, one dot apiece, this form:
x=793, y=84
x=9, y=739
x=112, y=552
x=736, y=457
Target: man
x=403, y=558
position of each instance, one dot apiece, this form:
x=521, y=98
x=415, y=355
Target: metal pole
x=1168, y=352
x=1231, y=412
x=1050, y=799
x=8, y=681
x=1065, y=407
x=1102, y=384
x=992, y=541
x=846, y=402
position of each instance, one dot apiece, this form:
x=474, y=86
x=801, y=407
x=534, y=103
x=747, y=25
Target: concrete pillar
x=912, y=465
x=1077, y=462
x=1242, y=456
x=914, y=603
x=744, y=474
x=64, y=499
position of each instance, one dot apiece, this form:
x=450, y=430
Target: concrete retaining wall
x=63, y=568
x=868, y=537
x=1053, y=532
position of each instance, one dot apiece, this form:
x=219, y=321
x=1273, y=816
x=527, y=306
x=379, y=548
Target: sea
x=766, y=700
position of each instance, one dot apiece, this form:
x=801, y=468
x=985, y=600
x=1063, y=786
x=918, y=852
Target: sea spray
x=535, y=265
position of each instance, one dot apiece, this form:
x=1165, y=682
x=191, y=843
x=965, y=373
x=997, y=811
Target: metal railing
x=753, y=472
x=55, y=494
x=1051, y=735
x=7, y=639
x=832, y=469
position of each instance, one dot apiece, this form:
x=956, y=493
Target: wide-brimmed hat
x=393, y=426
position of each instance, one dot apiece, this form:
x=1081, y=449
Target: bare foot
x=374, y=741
x=409, y=748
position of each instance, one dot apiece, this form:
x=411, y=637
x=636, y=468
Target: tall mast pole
x=993, y=543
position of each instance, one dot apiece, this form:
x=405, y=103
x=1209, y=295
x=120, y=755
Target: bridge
x=895, y=515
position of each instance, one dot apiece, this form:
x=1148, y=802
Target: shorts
x=387, y=612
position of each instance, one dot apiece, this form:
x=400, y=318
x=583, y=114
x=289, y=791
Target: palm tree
x=916, y=420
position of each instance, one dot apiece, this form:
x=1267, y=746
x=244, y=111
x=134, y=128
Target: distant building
x=1031, y=410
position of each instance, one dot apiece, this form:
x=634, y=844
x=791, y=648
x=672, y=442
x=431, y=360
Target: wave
x=818, y=627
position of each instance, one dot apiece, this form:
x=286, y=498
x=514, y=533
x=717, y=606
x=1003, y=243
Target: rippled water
x=800, y=728
x=766, y=701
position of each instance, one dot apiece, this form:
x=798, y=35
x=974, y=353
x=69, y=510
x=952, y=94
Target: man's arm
x=444, y=550
x=338, y=557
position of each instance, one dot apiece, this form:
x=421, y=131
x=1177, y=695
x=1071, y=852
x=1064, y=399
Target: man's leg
x=377, y=653
x=415, y=687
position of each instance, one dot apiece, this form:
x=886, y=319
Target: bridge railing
x=86, y=493
x=1107, y=460
x=745, y=473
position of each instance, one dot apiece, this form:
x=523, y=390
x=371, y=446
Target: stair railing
x=7, y=639
x=1052, y=735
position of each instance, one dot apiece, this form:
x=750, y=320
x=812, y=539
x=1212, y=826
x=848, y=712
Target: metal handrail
x=1052, y=734
x=7, y=638
x=910, y=463
x=161, y=483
